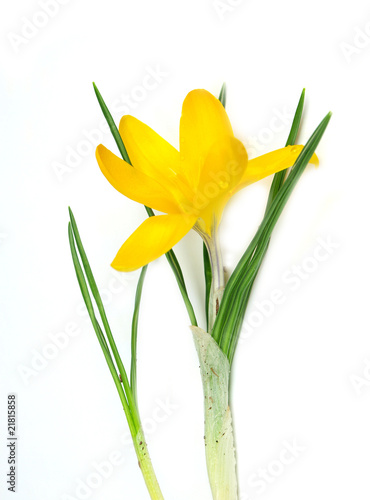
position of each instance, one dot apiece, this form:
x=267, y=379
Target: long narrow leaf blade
x=98, y=300
x=207, y=279
x=280, y=176
x=99, y=333
x=243, y=295
x=112, y=125
x=222, y=96
x=244, y=271
x=134, y=331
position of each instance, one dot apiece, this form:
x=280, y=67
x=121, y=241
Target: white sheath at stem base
x=219, y=439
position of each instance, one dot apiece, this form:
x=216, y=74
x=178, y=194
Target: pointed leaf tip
x=222, y=96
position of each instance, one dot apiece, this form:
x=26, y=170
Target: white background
x=301, y=374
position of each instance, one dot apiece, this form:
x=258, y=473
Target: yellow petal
x=153, y=238
x=203, y=122
x=147, y=150
x=223, y=168
x=153, y=156
x=270, y=163
x=134, y=184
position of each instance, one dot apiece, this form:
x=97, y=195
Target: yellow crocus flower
x=190, y=186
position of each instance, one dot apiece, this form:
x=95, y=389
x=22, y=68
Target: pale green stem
x=218, y=276
x=146, y=466
x=218, y=430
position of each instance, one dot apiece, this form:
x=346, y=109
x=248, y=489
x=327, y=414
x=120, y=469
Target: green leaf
x=99, y=303
x=276, y=185
x=134, y=328
x=175, y=266
x=236, y=291
x=222, y=96
x=207, y=279
x=125, y=396
x=112, y=125
x=242, y=296
x=279, y=177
